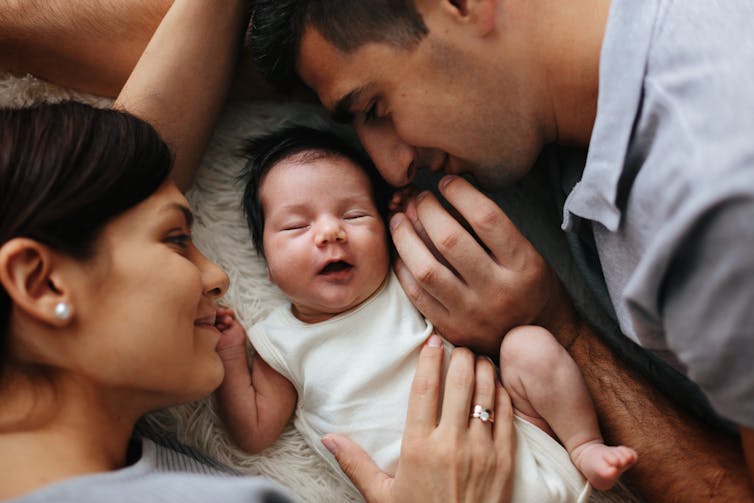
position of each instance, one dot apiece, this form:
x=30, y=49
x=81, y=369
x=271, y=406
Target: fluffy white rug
x=220, y=231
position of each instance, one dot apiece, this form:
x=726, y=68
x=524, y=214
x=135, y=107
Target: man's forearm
x=679, y=459
x=89, y=45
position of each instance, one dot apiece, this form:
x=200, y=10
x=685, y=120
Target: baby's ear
x=30, y=274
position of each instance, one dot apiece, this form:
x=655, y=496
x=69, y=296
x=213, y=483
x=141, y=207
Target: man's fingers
x=454, y=242
x=424, y=302
x=428, y=272
x=371, y=482
x=490, y=223
x=421, y=416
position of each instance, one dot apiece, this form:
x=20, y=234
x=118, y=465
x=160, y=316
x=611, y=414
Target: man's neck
x=571, y=54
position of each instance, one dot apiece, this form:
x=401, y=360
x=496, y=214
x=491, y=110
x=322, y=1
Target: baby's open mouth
x=340, y=265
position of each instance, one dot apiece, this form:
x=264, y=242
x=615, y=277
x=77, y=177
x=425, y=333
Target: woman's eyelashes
x=181, y=241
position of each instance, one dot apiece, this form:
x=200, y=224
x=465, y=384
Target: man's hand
x=440, y=458
x=471, y=294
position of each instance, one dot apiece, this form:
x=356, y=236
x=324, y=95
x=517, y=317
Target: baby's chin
x=326, y=310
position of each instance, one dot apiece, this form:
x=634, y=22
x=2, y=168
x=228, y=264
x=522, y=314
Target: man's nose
x=394, y=158
x=329, y=230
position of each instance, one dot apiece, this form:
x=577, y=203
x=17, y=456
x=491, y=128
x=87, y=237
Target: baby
x=343, y=353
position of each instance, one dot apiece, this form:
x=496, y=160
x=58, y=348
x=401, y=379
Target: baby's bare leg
x=546, y=386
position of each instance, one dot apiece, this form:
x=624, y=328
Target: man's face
x=439, y=105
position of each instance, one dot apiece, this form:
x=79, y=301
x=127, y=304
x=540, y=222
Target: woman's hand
x=453, y=458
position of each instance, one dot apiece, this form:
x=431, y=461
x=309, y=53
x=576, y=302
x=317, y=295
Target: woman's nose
x=214, y=279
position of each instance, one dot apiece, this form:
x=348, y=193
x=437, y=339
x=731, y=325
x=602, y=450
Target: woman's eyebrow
x=185, y=211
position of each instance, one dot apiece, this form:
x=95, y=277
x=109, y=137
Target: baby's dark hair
x=264, y=152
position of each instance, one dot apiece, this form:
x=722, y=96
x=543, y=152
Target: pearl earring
x=62, y=311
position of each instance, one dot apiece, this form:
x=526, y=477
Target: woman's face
x=145, y=307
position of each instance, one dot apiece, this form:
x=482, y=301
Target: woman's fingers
x=483, y=405
x=421, y=416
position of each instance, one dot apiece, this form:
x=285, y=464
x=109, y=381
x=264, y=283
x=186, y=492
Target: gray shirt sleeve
x=707, y=302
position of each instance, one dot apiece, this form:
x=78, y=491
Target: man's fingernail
x=445, y=180
x=330, y=444
x=434, y=341
x=396, y=220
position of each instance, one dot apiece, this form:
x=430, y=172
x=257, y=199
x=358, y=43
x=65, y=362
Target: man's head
x=438, y=84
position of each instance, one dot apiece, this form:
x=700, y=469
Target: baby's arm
x=255, y=404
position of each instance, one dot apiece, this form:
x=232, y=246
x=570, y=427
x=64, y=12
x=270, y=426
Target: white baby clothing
x=353, y=376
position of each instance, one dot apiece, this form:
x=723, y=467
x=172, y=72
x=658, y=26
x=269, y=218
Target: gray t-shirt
x=160, y=475
x=669, y=188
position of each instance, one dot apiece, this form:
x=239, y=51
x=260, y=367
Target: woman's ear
x=29, y=273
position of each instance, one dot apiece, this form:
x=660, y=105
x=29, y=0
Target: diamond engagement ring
x=484, y=415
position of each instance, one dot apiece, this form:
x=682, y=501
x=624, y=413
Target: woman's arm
x=180, y=82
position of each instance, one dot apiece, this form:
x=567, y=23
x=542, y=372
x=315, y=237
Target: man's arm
x=489, y=293
x=90, y=45
x=680, y=459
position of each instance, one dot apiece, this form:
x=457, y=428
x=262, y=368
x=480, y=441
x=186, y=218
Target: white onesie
x=353, y=375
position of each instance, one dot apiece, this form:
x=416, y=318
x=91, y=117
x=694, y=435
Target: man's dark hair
x=277, y=27
x=66, y=170
x=264, y=152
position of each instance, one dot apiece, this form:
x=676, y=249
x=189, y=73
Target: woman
x=107, y=308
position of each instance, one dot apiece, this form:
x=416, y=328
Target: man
x=666, y=198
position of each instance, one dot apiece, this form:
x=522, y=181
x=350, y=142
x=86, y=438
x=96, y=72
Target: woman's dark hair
x=67, y=169
x=264, y=152
x=277, y=27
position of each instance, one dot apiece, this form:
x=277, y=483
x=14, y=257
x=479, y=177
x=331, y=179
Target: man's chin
x=494, y=179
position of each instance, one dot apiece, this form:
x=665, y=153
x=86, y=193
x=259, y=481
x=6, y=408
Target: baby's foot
x=602, y=464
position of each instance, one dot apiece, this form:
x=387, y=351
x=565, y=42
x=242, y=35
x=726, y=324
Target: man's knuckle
x=449, y=241
x=426, y=275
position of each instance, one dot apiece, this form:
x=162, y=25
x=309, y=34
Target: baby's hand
x=401, y=197
x=232, y=343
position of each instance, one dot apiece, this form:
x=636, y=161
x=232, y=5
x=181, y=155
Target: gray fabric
x=669, y=188
x=160, y=475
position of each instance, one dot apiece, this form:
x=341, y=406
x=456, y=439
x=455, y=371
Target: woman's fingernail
x=330, y=444
x=396, y=220
x=434, y=341
x=421, y=195
x=445, y=180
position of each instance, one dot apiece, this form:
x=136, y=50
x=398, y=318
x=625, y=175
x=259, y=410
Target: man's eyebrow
x=342, y=112
x=187, y=214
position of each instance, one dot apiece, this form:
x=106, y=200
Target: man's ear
x=29, y=275
x=479, y=14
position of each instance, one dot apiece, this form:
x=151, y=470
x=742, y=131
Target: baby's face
x=324, y=239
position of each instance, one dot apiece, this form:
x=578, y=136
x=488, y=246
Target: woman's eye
x=353, y=216
x=179, y=240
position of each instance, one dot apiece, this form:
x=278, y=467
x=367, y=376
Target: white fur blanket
x=221, y=232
